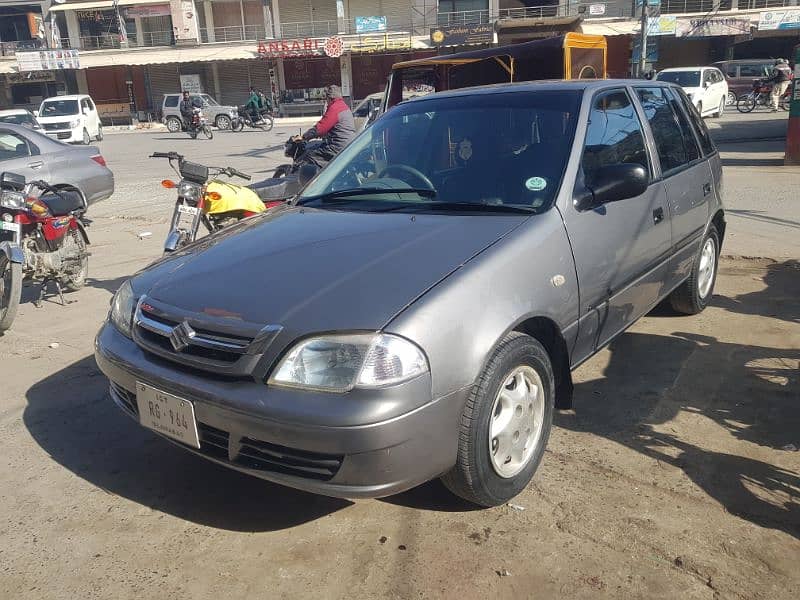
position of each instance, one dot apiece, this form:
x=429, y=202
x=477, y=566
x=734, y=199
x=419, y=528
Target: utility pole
x=643, y=40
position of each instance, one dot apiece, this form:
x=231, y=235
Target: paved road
x=668, y=480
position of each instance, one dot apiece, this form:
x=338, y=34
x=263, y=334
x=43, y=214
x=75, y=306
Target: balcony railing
x=462, y=17
x=232, y=34
x=112, y=41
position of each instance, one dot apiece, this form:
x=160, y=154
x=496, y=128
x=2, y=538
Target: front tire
x=505, y=424
x=720, y=108
x=10, y=291
x=695, y=293
x=746, y=104
x=223, y=122
x=99, y=133
x=270, y=123
x=207, y=132
x=86, y=139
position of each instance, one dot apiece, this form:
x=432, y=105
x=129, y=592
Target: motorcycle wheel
x=193, y=134
x=238, y=126
x=269, y=123
x=746, y=104
x=207, y=132
x=74, y=243
x=785, y=102
x=10, y=291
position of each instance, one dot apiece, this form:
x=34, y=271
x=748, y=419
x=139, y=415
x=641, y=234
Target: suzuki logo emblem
x=181, y=336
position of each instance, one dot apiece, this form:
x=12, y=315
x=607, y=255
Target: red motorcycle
x=42, y=239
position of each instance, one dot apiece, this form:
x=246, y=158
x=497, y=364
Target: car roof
x=15, y=111
x=738, y=61
x=674, y=69
x=581, y=85
x=70, y=97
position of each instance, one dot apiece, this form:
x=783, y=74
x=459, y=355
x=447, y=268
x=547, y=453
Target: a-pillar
x=346, y=68
x=73, y=28
x=209, y=13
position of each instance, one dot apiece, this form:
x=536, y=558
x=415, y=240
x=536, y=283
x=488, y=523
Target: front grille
x=196, y=341
x=56, y=126
x=125, y=398
x=263, y=456
x=254, y=454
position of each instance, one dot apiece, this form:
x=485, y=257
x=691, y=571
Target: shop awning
x=166, y=55
x=612, y=28
x=102, y=4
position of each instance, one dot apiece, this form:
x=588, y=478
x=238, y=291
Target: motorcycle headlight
x=188, y=190
x=339, y=363
x=122, y=308
x=12, y=200
x=74, y=123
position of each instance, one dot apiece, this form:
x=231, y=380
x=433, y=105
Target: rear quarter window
x=170, y=101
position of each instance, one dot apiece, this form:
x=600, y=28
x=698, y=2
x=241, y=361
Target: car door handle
x=706, y=189
x=36, y=165
x=658, y=215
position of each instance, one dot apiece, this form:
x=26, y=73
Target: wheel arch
x=549, y=335
x=718, y=221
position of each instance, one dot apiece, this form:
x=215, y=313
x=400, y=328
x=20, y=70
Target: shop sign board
x=387, y=42
x=332, y=47
x=662, y=25
x=48, y=60
x=191, y=84
x=779, y=19
x=710, y=27
x=459, y=35
x=155, y=10
x=366, y=24
x=31, y=77
x=597, y=10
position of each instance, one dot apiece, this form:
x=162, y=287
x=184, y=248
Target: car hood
x=314, y=270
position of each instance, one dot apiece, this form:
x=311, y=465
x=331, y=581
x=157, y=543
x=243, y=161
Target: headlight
x=233, y=113
x=74, y=123
x=122, y=307
x=190, y=191
x=338, y=363
x=12, y=200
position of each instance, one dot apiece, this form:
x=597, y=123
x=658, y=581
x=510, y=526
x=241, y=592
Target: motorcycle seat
x=60, y=206
x=279, y=188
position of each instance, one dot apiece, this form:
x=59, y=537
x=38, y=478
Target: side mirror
x=373, y=114
x=706, y=84
x=86, y=111
x=307, y=172
x=613, y=183
x=36, y=113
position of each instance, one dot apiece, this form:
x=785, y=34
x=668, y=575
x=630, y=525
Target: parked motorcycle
x=204, y=198
x=285, y=181
x=761, y=95
x=42, y=239
x=198, y=124
x=245, y=117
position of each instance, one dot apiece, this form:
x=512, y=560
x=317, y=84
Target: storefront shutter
x=234, y=82
x=162, y=79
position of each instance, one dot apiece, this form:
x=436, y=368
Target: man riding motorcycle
x=337, y=128
x=254, y=105
x=187, y=107
x=781, y=75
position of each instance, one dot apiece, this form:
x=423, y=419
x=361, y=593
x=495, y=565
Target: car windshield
x=208, y=100
x=59, y=108
x=685, y=79
x=18, y=119
x=501, y=152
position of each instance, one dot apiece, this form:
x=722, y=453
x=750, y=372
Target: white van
x=71, y=119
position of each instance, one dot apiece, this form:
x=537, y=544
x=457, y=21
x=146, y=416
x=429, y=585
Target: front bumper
x=66, y=135
x=290, y=442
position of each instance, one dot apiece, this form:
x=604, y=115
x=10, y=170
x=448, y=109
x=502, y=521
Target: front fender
x=13, y=252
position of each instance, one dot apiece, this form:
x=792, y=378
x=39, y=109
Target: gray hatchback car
x=417, y=311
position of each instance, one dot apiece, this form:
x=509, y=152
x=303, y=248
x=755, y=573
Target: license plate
x=187, y=210
x=167, y=414
x=9, y=226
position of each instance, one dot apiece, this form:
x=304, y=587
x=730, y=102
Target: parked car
x=423, y=321
x=71, y=119
x=38, y=157
x=740, y=74
x=705, y=86
x=217, y=114
x=19, y=116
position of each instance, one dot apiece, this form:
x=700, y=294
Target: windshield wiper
x=466, y=207
x=342, y=194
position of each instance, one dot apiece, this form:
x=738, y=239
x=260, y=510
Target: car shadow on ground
x=71, y=417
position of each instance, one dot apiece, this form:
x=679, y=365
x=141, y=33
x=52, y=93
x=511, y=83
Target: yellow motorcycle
x=204, y=198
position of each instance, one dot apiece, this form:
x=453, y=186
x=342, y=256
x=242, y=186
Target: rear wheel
x=785, y=101
x=10, y=291
x=75, y=245
x=223, y=122
x=695, y=293
x=730, y=99
x=746, y=104
x=174, y=124
x=505, y=424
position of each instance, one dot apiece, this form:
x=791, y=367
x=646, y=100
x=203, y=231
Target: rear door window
x=752, y=70
x=614, y=134
x=689, y=140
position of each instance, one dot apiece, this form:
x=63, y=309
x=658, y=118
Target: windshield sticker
x=465, y=149
x=536, y=184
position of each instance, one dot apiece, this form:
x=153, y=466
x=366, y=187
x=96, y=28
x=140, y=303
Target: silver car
x=217, y=114
x=37, y=156
x=417, y=311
